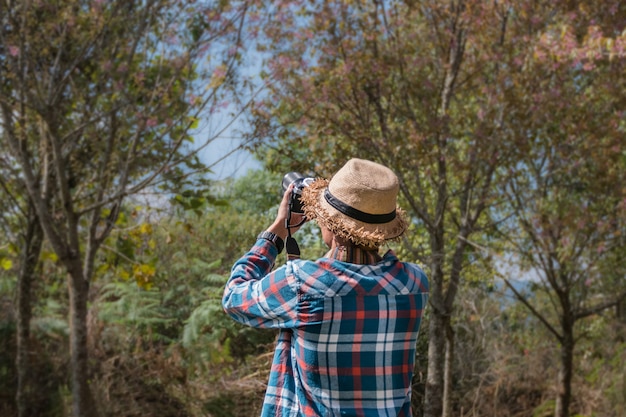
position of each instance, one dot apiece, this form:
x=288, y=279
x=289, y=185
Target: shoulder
x=311, y=278
x=414, y=272
x=305, y=270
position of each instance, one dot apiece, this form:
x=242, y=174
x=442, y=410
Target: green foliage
x=207, y=336
x=256, y=193
x=191, y=255
x=221, y=407
x=194, y=200
x=7, y=285
x=51, y=320
x=137, y=311
x=211, y=337
x=546, y=409
x=202, y=320
x=157, y=314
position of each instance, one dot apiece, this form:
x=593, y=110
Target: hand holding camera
x=299, y=182
x=290, y=214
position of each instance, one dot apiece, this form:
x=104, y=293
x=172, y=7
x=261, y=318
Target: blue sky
x=229, y=161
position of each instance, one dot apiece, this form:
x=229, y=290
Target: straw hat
x=358, y=203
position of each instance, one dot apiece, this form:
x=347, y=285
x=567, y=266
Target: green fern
x=51, y=319
x=138, y=311
x=201, y=319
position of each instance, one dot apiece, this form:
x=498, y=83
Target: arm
x=254, y=295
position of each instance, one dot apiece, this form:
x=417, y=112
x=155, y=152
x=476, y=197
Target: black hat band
x=355, y=213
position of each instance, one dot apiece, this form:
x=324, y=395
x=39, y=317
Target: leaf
x=6, y=264
x=144, y=273
x=50, y=256
x=146, y=228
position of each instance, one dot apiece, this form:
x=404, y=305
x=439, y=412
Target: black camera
x=299, y=182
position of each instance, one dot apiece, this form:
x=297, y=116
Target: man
x=349, y=320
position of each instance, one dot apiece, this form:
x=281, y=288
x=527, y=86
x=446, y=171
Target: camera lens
x=290, y=178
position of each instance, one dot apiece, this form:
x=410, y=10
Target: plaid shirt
x=348, y=330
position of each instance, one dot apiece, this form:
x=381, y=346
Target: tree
x=29, y=260
x=101, y=108
x=25, y=238
x=566, y=192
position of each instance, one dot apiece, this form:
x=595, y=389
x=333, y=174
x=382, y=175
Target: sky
x=225, y=129
x=231, y=162
x=226, y=160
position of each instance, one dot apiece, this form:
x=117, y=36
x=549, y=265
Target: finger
x=287, y=193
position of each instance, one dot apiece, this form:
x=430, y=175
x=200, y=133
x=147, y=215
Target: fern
x=201, y=319
x=51, y=326
x=137, y=310
x=210, y=336
x=51, y=319
x=7, y=284
x=205, y=332
x=161, y=313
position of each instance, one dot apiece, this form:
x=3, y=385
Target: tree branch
x=582, y=313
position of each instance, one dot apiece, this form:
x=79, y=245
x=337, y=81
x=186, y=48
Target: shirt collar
x=354, y=255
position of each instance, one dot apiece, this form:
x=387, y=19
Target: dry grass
x=154, y=384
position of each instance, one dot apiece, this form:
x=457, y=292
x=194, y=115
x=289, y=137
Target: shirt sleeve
x=257, y=297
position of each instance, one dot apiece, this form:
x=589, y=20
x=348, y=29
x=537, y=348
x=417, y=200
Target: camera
x=299, y=182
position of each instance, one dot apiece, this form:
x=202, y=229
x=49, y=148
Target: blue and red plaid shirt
x=348, y=330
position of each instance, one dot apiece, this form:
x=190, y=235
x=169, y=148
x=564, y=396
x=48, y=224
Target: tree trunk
x=439, y=321
x=620, y=310
x=433, y=404
x=565, y=372
x=82, y=400
x=30, y=255
x=447, y=374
